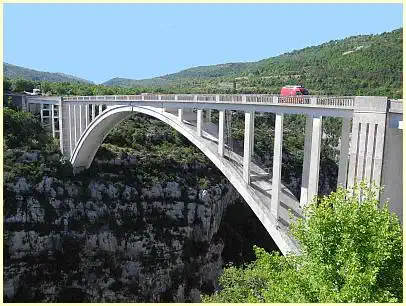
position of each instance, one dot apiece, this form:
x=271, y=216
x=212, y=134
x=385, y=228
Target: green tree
x=351, y=252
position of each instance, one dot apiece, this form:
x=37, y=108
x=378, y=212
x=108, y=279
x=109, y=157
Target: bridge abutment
x=367, y=140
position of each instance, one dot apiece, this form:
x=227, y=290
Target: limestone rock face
x=110, y=241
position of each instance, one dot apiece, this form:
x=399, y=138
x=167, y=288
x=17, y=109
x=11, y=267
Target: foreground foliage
x=351, y=252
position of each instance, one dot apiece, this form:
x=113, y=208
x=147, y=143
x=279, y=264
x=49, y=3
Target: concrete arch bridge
x=371, y=141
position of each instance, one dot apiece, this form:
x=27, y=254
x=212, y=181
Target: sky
x=100, y=41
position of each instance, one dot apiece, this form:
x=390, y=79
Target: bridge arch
x=95, y=133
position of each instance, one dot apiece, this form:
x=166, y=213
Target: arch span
x=98, y=129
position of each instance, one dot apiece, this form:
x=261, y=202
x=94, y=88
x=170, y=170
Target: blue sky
x=101, y=41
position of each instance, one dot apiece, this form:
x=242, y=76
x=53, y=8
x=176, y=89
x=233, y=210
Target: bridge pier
x=87, y=115
x=221, y=133
x=93, y=111
x=277, y=164
x=199, y=122
x=248, y=145
x=314, y=165
x=61, y=125
x=180, y=114
x=77, y=124
x=344, y=147
x=81, y=129
x=311, y=159
x=68, y=128
x=42, y=113
x=53, y=120
x=24, y=105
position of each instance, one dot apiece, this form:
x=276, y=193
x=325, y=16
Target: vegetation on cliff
x=29, y=150
x=351, y=252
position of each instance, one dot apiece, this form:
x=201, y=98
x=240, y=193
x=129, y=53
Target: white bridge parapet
x=304, y=101
x=375, y=135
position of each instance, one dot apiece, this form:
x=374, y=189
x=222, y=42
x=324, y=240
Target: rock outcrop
x=100, y=240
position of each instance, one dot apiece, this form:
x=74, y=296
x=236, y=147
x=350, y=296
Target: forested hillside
x=15, y=72
x=358, y=65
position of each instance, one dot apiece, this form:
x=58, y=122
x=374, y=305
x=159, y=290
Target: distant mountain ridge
x=15, y=72
x=357, y=65
x=211, y=71
x=344, y=66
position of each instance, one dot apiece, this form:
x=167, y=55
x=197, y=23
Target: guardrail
x=320, y=101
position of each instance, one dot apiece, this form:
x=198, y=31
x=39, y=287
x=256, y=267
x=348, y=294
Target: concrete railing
x=319, y=101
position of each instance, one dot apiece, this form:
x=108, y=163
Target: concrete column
x=277, y=165
x=87, y=115
x=70, y=130
x=180, y=114
x=221, y=133
x=93, y=111
x=392, y=172
x=369, y=152
x=60, y=119
x=361, y=151
x=353, y=154
x=75, y=124
x=311, y=160
x=248, y=135
x=344, y=146
x=80, y=120
x=208, y=115
x=306, y=162
x=377, y=163
x=42, y=113
x=53, y=120
x=253, y=135
x=315, y=159
x=199, y=122
x=24, y=105
x=100, y=109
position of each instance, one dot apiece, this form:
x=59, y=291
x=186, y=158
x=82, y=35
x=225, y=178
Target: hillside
x=14, y=72
x=354, y=65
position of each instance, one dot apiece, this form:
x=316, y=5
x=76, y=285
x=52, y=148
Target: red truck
x=293, y=90
x=293, y=94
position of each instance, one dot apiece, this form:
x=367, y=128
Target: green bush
x=351, y=252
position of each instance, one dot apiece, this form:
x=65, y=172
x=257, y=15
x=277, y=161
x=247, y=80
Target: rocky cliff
x=104, y=238
x=139, y=225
